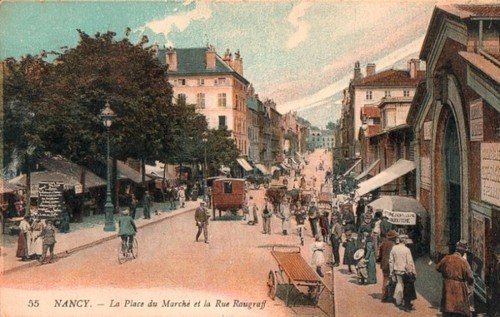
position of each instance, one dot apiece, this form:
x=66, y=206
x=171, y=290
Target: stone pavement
x=84, y=235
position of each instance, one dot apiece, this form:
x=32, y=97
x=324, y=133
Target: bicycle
x=128, y=250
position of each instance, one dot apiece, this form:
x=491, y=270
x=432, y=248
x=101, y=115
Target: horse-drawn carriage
x=228, y=194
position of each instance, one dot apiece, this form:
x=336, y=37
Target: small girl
x=318, y=258
x=349, y=249
x=362, y=270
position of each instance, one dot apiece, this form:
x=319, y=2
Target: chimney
x=210, y=57
x=171, y=59
x=228, y=57
x=414, y=67
x=238, y=63
x=357, y=71
x=370, y=69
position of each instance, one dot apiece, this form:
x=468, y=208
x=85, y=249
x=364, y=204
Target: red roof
x=370, y=112
x=391, y=77
x=372, y=130
x=465, y=11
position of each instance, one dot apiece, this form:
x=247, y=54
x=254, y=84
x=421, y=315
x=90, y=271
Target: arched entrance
x=452, y=185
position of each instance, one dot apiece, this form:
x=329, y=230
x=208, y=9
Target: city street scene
x=250, y=158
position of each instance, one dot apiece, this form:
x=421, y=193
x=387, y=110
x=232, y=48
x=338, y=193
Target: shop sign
x=50, y=198
x=427, y=130
x=400, y=217
x=425, y=173
x=476, y=120
x=490, y=173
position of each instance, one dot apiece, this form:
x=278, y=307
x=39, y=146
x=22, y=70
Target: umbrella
x=399, y=203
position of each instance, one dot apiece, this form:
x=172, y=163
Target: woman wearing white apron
x=36, y=243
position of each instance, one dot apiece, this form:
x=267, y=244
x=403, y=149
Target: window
x=182, y=82
x=387, y=94
x=406, y=93
x=220, y=81
x=369, y=95
x=221, y=100
x=236, y=104
x=181, y=99
x=201, y=82
x=228, y=187
x=200, y=100
x=222, y=121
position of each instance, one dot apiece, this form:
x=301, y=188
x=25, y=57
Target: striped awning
x=368, y=170
x=352, y=167
x=244, y=164
x=395, y=171
x=262, y=168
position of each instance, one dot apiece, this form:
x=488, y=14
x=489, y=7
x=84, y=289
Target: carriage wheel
x=271, y=285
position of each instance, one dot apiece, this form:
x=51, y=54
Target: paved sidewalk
x=82, y=237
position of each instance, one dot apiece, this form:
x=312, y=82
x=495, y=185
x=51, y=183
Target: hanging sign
x=401, y=217
x=50, y=198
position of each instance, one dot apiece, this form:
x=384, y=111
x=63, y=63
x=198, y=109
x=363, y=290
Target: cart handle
x=283, y=246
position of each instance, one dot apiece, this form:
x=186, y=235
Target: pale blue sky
x=298, y=53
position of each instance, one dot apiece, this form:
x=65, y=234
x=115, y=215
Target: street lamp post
x=107, y=116
x=205, y=140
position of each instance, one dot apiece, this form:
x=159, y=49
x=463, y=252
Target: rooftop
x=391, y=78
x=470, y=11
x=370, y=112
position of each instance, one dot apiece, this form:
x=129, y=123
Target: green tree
x=221, y=150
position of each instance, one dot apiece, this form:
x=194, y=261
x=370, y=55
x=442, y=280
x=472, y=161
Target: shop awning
x=243, y=163
x=6, y=187
x=73, y=170
x=127, y=172
x=395, y=171
x=352, y=167
x=368, y=170
x=46, y=176
x=262, y=168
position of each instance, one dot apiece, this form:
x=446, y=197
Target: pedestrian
x=48, y=235
x=318, y=258
x=146, y=205
x=336, y=213
x=457, y=276
x=365, y=228
x=385, y=225
x=246, y=208
x=19, y=206
x=347, y=219
x=370, y=259
x=133, y=205
x=182, y=196
x=400, y=262
x=300, y=218
x=336, y=239
x=384, y=252
x=64, y=225
x=325, y=226
x=126, y=229
x=23, y=239
x=201, y=217
x=172, y=197
x=302, y=182
x=349, y=249
x=284, y=215
x=36, y=248
x=409, y=292
x=254, y=209
x=312, y=214
x=266, y=217
x=360, y=211
x=376, y=233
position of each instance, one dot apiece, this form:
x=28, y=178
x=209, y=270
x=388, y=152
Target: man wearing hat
x=335, y=238
x=385, y=225
x=457, y=275
x=347, y=218
x=384, y=252
x=201, y=217
x=400, y=262
x=313, y=218
x=266, y=217
x=126, y=228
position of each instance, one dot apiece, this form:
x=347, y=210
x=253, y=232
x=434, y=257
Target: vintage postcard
x=250, y=158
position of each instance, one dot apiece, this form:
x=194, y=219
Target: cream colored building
x=214, y=84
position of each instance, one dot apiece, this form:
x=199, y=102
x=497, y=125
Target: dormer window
x=406, y=93
x=369, y=95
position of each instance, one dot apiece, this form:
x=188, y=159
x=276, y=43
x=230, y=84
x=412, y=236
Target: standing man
x=385, y=225
x=313, y=218
x=384, y=252
x=253, y=207
x=336, y=239
x=48, y=235
x=400, y=262
x=347, y=219
x=146, y=205
x=284, y=215
x=457, y=275
x=201, y=216
x=133, y=205
x=300, y=217
x=182, y=196
x=266, y=217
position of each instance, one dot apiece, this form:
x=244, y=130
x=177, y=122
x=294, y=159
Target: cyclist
x=127, y=230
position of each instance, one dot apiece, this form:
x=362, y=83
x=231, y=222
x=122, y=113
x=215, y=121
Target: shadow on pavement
x=429, y=284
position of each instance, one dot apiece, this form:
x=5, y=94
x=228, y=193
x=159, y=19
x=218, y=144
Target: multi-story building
x=320, y=139
x=214, y=84
x=273, y=137
x=254, y=114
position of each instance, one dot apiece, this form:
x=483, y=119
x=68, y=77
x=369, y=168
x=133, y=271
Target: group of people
x=36, y=237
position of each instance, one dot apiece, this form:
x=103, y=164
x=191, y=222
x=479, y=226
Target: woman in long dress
x=23, y=240
x=36, y=242
x=370, y=258
x=318, y=258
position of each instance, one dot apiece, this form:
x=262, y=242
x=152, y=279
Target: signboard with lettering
x=50, y=198
x=405, y=218
x=425, y=172
x=490, y=173
x=476, y=120
x=427, y=130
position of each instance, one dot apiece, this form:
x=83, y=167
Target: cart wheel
x=271, y=285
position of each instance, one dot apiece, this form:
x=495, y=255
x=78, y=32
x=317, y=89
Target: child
x=362, y=271
x=350, y=248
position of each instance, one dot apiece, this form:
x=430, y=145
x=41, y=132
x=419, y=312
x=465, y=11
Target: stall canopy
x=399, y=209
x=262, y=168
x=73, y=170
x=352, y=167
x=6, y=187
x=158, y=171
x=127, y=172
x=395, y=171
x=243, y=163
x=368, y=170
x=46, y=176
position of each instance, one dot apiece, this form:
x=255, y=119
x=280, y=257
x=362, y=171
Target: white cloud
x=179, y=20
x=302, y=27
x=329, y=91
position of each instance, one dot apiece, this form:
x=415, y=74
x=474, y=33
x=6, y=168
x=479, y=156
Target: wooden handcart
x=294, y=271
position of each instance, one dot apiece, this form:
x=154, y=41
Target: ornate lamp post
x=107, y=116
x=205, y=140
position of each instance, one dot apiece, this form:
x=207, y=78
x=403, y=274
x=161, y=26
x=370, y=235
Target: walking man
x=336, y=239
x=313, y=218
x=266, y=217
x=385, y=251
x=201, y=217
x=182, y=196
x=300, y=217
x=48, y=235
x=146, y=205
x=457, y=276
x=284, y=215
x=400, y=262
